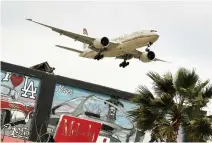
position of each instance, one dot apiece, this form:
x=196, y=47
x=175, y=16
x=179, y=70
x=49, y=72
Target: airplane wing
x=70, y=49
x=78, y=37
x=136, y=54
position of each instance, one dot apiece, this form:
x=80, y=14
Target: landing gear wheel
x=124, y=64
x=101, y=56
x=147, y=50
x=98, y=56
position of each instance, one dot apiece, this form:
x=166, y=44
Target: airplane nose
x=155, y=36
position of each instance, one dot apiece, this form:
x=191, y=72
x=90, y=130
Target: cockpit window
x=153, y=31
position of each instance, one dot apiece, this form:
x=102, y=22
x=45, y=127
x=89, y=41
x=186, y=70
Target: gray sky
x=184, y=27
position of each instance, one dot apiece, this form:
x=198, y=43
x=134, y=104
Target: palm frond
x=197, y=96
x=186, y=78
x=194, y=112
x=155, y=136
x=207, y=93
x=166, y=130
x=143, y=117
x=161, y=105
x=162, y=84
x=143, y=97
x=167, y=100
x=201, y=128
x=201, y=85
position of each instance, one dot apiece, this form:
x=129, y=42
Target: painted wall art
x=18, y=99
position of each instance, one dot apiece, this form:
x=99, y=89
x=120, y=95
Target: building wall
x=64, y=93
x=43, y=91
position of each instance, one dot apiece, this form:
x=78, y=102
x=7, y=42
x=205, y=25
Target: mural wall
x=64, y=93
x=67, y=100
x=18, y=99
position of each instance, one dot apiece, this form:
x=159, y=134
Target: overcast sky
x=184, y=27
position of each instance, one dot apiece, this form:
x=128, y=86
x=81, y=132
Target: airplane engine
x=147, y=56
x=101, y=43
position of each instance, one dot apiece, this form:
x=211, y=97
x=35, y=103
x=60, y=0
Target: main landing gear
x=124, y=64
x=99, y=56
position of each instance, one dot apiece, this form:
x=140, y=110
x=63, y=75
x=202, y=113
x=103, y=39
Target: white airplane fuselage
x=127, y=43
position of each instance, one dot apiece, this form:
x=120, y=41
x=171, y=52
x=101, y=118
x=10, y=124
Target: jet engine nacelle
x=147, y=56
x=101, y=43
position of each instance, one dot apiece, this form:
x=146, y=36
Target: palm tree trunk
x=176, y=126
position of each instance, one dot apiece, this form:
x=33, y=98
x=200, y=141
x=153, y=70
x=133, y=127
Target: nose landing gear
x=148, y=45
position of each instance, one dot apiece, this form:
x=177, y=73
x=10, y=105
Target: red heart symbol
x=16, y=80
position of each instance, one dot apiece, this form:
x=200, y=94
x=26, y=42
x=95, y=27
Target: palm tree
x=177, y=103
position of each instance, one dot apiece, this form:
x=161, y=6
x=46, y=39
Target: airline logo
x=85, y=32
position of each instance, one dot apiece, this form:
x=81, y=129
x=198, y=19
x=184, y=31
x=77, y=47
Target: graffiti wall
x=18, y=99
x=82, y=103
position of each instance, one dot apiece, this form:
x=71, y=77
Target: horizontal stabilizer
x=70, y=49
x=29, y=19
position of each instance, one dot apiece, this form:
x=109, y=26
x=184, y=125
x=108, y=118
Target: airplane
x=123, y=47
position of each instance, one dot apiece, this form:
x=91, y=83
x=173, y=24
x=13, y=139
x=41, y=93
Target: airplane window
x=153, y=31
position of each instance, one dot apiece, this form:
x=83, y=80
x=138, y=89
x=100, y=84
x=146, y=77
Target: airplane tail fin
x=85, y=32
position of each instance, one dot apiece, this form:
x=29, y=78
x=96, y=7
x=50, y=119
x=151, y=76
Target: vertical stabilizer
x=85, y=32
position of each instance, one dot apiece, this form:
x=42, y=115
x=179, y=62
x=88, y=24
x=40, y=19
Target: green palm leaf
x=207, y=93
x=162, y=84
x=144, y=96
